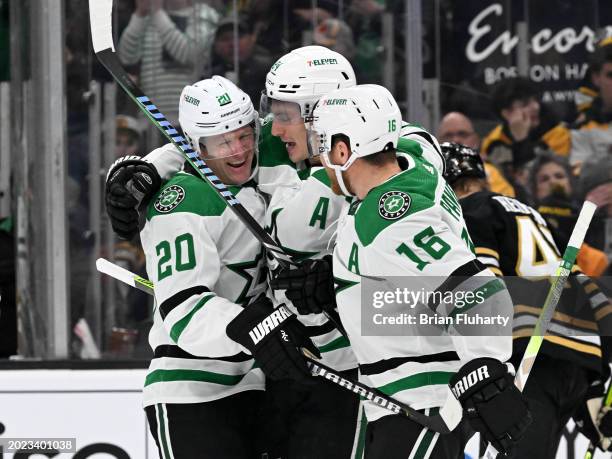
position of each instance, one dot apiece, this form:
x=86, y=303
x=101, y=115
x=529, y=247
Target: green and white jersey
x=410, y=225
x=301, y=217
x=205, y=267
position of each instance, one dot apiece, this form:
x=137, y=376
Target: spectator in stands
x=253, y=60
x=171, y=44
x=592, y=136
x=527, y=129
x=587, y=91
x=596, y=186
x=335, y=35
x=553, y=186
x=364, y=17
x=458, y=128
x=128, y=136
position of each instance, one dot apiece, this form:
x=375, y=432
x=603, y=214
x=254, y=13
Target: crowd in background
x=550, y=163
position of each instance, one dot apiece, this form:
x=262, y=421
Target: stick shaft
x=550, y=304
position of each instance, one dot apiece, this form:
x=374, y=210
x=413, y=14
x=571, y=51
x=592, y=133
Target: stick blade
x=101, y=23
x=111, y=269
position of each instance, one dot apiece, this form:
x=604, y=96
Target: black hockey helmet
x=461, y=161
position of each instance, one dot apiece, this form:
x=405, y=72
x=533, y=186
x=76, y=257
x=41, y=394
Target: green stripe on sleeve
x=338, y=343
x=192, y=375
x=487, y=290
x=179, y=326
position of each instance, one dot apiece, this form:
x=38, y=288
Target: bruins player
x=513, y=239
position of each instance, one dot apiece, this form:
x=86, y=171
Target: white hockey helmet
x=304, y=75
x=212, y=107
x=367, y=114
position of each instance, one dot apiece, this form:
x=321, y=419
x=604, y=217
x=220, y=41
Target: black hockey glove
x=593, y=420
x=130, y=183
x=492, y=403
x=310, y=286
x=274, y=338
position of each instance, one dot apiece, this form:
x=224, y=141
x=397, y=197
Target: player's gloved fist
x=130, y=183
x=593, y=420
x=492, y=403
x=310, y=286
x=274, y=338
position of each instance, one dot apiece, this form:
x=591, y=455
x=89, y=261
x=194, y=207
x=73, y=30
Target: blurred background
x=462, y=69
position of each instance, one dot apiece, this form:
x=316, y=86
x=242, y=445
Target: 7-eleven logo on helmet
x=224, y=99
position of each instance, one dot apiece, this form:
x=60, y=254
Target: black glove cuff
x=472, y=376
x=257, y=323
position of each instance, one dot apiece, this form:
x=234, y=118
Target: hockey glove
x=310, y=286
x=130, y=183
x=274, y=338
x=593, y=420
x=492, y=403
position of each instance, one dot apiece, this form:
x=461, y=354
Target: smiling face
x=230, y=155
x=288, y=125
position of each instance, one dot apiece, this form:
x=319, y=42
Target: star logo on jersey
x=169, y=199
x=393, y=204
x=252, y=273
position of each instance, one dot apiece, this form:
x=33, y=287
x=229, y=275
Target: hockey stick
x=607, y=402
x=100, y=18
x=436, y=422
x=550, y=304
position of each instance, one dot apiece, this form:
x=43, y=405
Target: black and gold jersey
x=514, y=241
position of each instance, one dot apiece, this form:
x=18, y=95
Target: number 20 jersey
x=205, y=267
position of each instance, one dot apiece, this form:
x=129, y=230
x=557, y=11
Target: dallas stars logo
x=393, y=204
x=169, y=199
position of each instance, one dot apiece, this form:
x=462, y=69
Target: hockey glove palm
x=130, y=183
x=274, y=338
x=310, y=286
x=493, y=404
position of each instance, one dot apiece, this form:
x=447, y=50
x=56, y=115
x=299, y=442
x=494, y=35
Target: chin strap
x=340, y=179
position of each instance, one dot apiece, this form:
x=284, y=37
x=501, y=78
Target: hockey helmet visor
x=280, y=111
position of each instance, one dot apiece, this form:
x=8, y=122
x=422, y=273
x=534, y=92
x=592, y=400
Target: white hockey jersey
x=205, y=267
x=411, y=225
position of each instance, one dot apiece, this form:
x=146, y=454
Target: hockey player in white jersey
x=404, y=223
x=202, y=394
